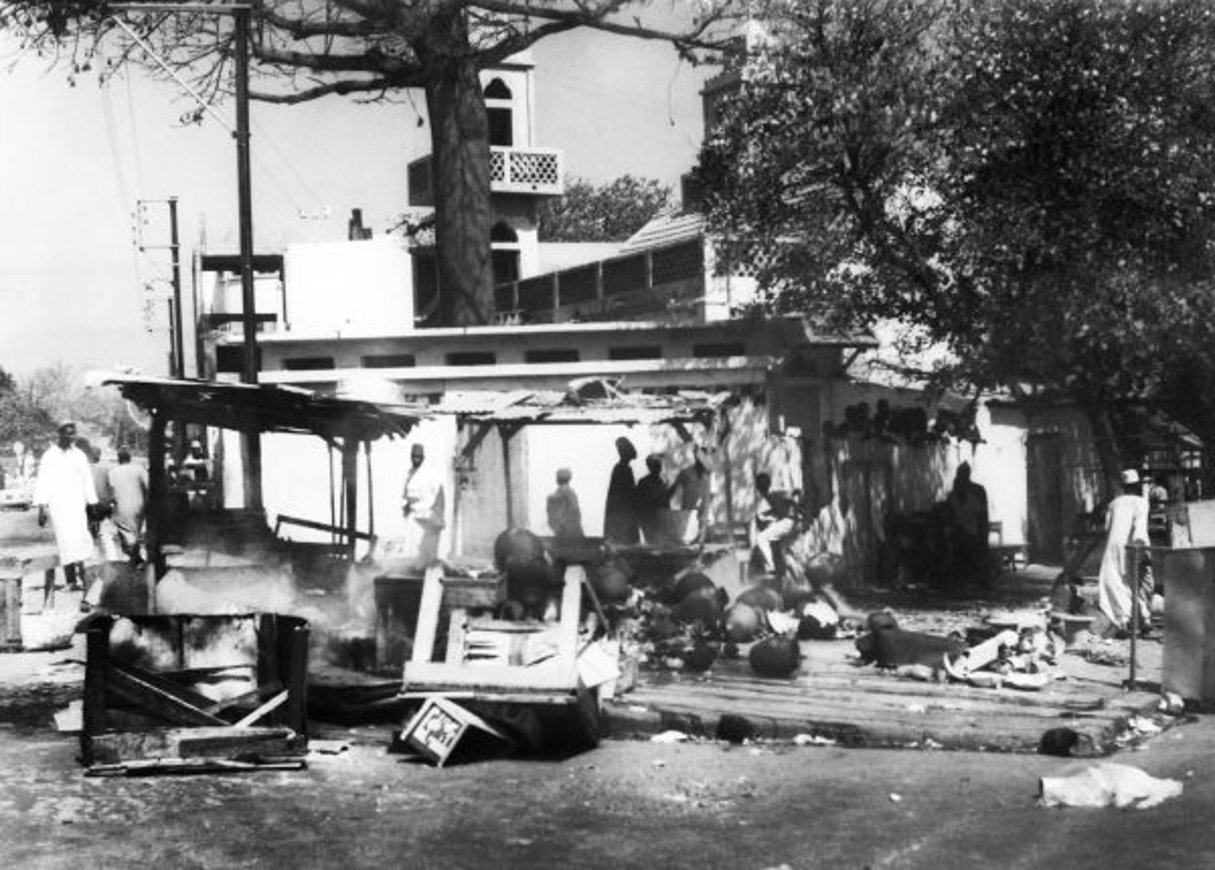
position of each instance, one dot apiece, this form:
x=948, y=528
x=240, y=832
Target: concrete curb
x=622, y=720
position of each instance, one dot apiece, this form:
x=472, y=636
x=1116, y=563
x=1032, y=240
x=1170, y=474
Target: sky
x=74, y=161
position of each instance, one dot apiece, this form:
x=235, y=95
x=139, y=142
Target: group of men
x=72, y=493
x=637, y=510
x=635, y=507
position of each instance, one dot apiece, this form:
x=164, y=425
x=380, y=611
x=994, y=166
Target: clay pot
x=742, y=623
x=761, y=598
x=700, y=657
x=611, y=583
x=697, y=608
x=689, y=583
x=776, y=657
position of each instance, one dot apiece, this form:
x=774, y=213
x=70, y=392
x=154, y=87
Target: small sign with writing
x=438, y=726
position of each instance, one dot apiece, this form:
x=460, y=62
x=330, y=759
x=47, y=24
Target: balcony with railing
x=530, y=171
x=665, y=282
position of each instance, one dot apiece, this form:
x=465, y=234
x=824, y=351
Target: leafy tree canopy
x=1031, y=181
x=602, y=213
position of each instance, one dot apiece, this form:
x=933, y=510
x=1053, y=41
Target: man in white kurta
x=1126, y=522
x=423, y=504
x=63, y=491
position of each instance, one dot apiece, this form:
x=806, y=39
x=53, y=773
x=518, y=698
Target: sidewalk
x=833, y=698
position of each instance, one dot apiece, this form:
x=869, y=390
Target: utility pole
x=177, y=359
x=250, y=442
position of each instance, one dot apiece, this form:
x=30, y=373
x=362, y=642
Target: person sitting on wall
x=774, y=522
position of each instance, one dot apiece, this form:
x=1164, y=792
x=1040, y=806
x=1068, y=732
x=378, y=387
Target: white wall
x=350, y=287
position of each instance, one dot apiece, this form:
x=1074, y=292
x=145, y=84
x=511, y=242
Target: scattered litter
x=1107, y=784
x=812, y=740
x=895, y=797
x=1143, y=725
x=923, y=673
x=1171, y=703
x=669, y=737
x=658, y=762
x=70, y=718
x=917, y=708
x=328, y=747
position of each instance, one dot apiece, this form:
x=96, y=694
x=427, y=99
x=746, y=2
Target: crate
x=398, y=597
x=179, y=691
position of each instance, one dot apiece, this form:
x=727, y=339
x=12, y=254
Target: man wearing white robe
x=63, y=491
x=1126, y=522
x=423, y=503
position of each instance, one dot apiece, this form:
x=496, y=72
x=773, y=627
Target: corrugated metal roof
x=665, y=229
x=588, y=400
x=265, y=408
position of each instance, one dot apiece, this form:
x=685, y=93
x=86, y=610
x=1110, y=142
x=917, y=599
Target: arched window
x=499, y=108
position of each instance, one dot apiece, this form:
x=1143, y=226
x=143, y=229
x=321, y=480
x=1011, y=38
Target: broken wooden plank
x=244, y=698
x=152, y=698
x=143, y=767
x=202, y=742
x=163, y=684
x=273, y=704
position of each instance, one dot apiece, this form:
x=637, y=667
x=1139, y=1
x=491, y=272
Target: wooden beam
x=273, y=704
x=152, y=699
x=428, y=614
x=164, y=684
x=244, y=698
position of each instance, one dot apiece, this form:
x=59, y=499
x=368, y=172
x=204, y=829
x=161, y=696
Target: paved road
x=626, y=804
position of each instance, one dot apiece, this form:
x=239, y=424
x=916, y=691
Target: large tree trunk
x=1106, y=442
x=460, y=171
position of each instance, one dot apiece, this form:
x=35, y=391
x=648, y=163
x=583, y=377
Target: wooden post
x=428, y=615
x=97, y=655
x=158, y=505
x=350, y=491
x=370, y=495
x=295, y=677
x=505, y=435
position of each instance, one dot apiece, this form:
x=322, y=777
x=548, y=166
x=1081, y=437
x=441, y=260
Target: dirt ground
x=625, y=804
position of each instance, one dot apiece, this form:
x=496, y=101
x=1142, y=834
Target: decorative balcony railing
x=535, y=171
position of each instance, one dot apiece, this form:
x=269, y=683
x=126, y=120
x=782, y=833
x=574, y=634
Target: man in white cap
x=1126, y=522
x=63, y=491
x=423, y=504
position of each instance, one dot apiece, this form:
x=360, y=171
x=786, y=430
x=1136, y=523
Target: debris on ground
x=1107, y=784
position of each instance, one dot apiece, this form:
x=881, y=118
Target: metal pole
x=252, y=442
x=1134, y=558
x=179, y=345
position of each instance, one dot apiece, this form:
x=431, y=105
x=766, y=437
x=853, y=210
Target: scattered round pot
x=697, y=608
x=700, y=657
x=762, y=598
x=689, y=583
x=742, y=623
x=776, y=657
x=611, y=583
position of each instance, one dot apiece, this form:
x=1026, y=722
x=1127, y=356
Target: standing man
x=693, y=491
x=653, y=500
x=970, y=527
x=423, y=504
x=64, y=490
x=564, y=512
x=1126, y=523
x=620, y=511
x=129, y=484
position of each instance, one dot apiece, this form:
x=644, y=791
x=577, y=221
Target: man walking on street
x=129, y=484
x=63, y=491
